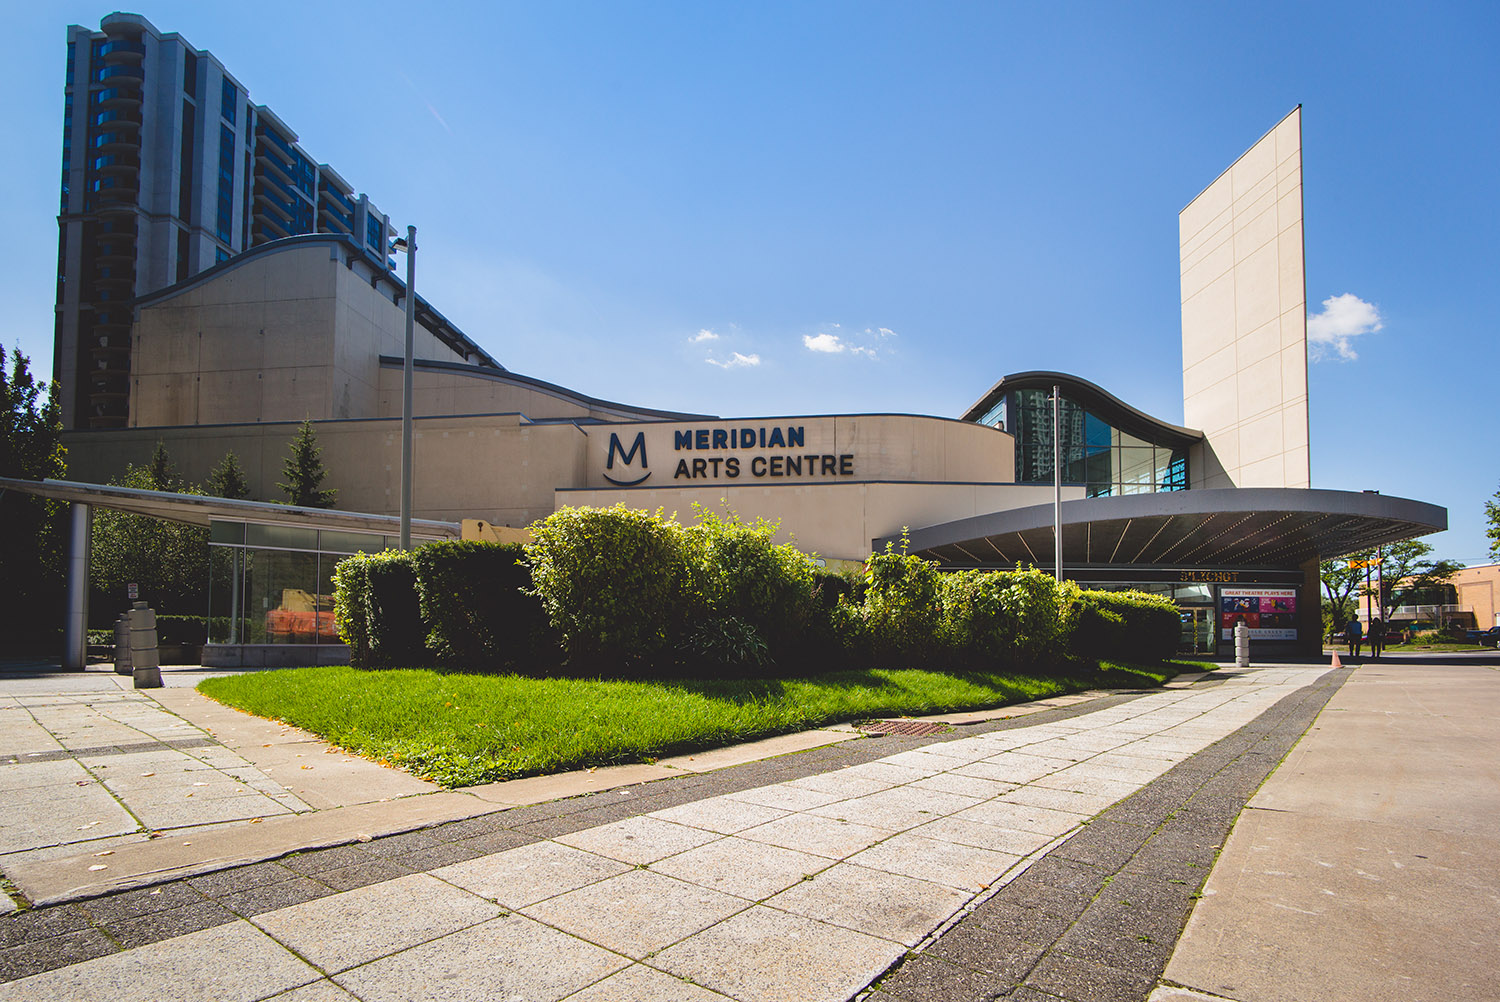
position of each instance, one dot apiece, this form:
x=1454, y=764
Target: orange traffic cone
x=1336, y=662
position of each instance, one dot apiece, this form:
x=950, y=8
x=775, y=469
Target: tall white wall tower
x=1244, y=318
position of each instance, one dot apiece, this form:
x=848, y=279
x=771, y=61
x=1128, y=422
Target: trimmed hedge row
x=459, y=603
x=614, y=589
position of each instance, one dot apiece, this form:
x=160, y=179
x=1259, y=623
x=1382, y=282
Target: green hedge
x=616, y=589
x=376, y=610
x=1126, y=626
x=476, y=599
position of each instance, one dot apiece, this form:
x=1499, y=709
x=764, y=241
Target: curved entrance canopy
x=1238, y=527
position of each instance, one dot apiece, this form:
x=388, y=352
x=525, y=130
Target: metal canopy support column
x=75, y=626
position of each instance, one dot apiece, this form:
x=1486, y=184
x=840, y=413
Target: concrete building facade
x=167, y=169
x=1216, y=514
x=1244, y=318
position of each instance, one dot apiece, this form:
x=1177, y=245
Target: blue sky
x=947, y=191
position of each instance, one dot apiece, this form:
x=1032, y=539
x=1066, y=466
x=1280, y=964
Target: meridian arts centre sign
x=730, y=452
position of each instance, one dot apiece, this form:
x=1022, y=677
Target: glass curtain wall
x=272, y=584
x=1104, y=459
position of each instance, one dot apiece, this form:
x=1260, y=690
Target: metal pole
x=1057, y=481
x=406, y=385
x=75, y=625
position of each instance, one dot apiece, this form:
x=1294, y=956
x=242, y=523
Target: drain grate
x=911, y=728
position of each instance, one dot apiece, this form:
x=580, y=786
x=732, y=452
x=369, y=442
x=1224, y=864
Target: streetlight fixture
x=1057, y=482
x=409, y=246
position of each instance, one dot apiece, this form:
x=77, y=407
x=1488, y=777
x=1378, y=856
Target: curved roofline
x=506, y=376
x=1385, y=517
x=1092, y=396
x=201, y=509
x=435, y=323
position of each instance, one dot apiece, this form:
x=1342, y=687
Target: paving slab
x=875, y=902
x=540, y=789
x=354, y=927
x=779, y=957
x=746, y=869
x=637, y=912
x=138, y=864
x=638, y=840
x=523, y=876
x=230, y=963
x=754, y=751
x=528, y=960
x=1366, y=867
x=639, y=983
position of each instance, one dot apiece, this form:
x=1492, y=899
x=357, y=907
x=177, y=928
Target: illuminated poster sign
x=748, y=452
x=1270, y=613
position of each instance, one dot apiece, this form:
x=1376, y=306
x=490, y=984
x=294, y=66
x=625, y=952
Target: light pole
x=409, y=245
x=1057, y=482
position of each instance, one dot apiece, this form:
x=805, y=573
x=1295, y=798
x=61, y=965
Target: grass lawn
x=463, y=729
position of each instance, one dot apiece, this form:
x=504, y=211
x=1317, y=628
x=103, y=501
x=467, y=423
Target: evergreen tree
x=227, y=480
x=33, y=531
x=161, y=473
x=304, y=472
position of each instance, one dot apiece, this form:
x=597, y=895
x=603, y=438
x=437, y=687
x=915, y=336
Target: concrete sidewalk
x=800, y=877
x=1368, y=866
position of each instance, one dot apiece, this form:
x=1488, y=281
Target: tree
x=1340, y=579
x=168, y=560
x=227, y=480
x=161, y=472
x=304, y=472
x=1492, y=516
x=1406, y=576
x=32, y=530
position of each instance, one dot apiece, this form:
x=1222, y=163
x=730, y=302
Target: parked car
x=1487, y=638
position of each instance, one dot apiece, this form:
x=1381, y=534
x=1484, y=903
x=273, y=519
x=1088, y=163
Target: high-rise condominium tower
x=167, y=170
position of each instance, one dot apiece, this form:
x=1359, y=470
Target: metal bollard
x=1241, y=645
x=122, y=644
x=145, y=660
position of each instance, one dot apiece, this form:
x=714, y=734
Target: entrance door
x=1198, y=623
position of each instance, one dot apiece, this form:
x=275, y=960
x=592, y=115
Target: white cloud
x=829, y=343
x=826, y=343
x=1331, y=333
x=736, y=360
x=704, y=335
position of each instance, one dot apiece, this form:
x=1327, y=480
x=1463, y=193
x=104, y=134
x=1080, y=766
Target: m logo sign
x=627, y=457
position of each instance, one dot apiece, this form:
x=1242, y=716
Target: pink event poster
x=1269, y=613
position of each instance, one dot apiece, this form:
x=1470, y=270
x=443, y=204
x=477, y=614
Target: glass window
x=226, y=583
x=231, y=98
x=190, y=74
x=287, y=537
x=285, y=598
x=226, y=532
x=330, y=541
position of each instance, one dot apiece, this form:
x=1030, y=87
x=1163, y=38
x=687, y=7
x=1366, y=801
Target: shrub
x=728, y=641
x=901, y=607
x=1125, y=625
x=376, y=609
x=737, y=571
x=615, y=583
x=476, y=598
x=351, y=607
x=1013, y=618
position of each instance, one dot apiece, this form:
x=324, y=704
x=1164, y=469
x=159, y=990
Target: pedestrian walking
x=1354, y=633
x=1377, y=637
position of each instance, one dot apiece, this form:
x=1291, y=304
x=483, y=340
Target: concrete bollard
x=1241, y=645
x=122, y=644
x=145, y=659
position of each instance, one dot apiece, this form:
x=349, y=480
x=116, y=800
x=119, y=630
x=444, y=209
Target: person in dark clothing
x=1377, y=637
x=1354, y=633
